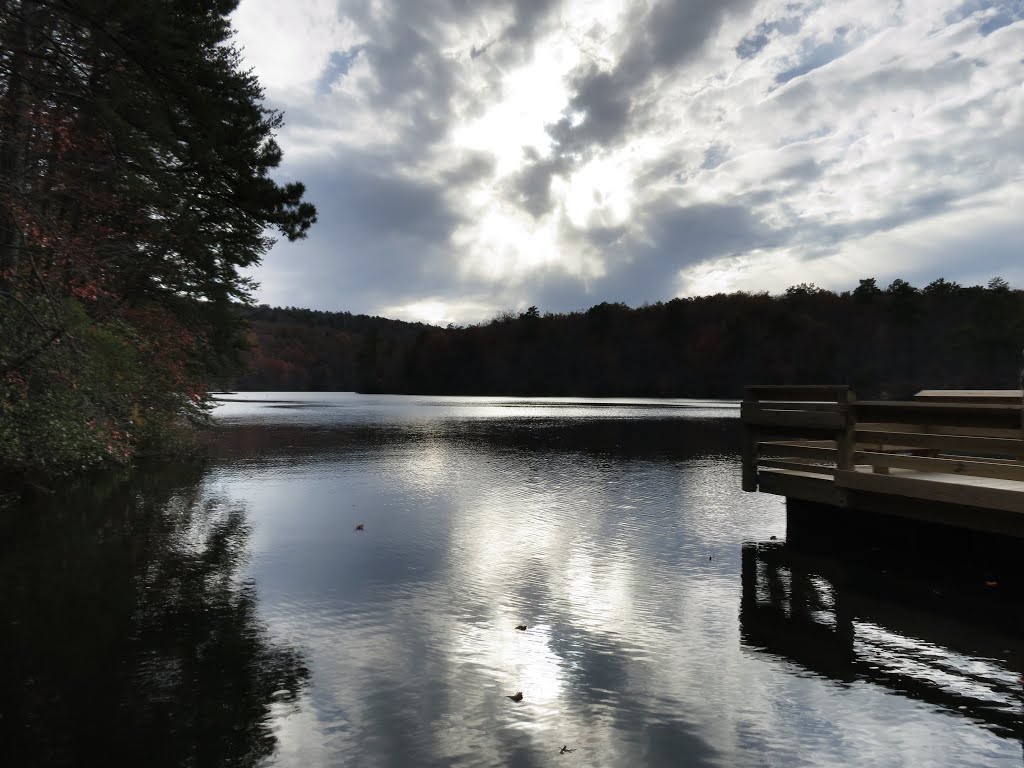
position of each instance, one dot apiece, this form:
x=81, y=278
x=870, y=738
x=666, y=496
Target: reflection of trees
x=843, y=622
x=130, y=635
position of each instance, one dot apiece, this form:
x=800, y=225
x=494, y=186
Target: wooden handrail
x=982, y=431
x=999, y=416
x=796, y=410
x=972, y=467
x=977, y=446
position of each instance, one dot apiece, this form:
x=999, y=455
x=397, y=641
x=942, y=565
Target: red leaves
x=15, y=380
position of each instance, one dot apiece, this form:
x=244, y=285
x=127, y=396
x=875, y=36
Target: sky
x=469, y=157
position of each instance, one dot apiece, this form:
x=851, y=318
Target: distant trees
x=887, y=342
x=135, y=157
x=867, y=290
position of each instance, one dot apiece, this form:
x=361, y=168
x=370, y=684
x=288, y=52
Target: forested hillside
x=304, y=349
x=886, y=342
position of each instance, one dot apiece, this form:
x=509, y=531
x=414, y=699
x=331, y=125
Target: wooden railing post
x=847, y=438
x=749, y=451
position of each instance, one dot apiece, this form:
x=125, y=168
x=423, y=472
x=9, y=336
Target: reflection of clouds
x=633, y=647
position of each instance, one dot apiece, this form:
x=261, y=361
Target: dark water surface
x=232, y=615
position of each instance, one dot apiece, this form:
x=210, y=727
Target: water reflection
x=571, y=526
x=130, y=635
x=616, y=539
x=853, y=625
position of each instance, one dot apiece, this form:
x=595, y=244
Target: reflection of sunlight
x=825, y=590
x=300, y=734
x=425, y=467
x=505, y=528
x=601, y=596
x=523, y=660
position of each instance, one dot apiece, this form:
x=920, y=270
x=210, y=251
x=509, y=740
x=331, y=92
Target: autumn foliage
x=134, y=186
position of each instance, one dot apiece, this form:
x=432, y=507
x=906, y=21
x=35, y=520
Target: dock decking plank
x=988, y=493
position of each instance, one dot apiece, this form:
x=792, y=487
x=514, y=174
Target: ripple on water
x=622, y=558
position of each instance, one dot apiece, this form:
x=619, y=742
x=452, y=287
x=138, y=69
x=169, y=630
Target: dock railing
x=964, y=451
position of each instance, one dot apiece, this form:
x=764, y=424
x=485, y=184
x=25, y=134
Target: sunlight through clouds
x=599, y=194
x=532, y=98
x=563, y=152
x=503, y=243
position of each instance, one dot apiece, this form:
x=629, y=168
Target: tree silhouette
x=889, y=342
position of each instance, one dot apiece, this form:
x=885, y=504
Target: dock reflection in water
x=948, y=646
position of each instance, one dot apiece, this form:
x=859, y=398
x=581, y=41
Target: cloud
x=290, y=45
x=468, y=158
x=383, y=233
x=605, y=101
x=755, y=41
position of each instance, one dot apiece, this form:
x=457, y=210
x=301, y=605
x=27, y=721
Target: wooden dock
x=954, y=458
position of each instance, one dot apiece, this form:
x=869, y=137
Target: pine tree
x=135, y=160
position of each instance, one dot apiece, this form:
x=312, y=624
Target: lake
x=232, y=613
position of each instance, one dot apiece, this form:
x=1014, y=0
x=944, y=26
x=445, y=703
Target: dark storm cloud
x=391, y=22
x=475, y=167
x=672, y=33
x=528, y=16
x=598, y=113
x=901, y=211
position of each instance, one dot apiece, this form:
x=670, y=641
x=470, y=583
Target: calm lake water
x=231, y=613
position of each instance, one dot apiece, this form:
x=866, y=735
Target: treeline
x=887, y=342
x=135, y=187
x=303, y=349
